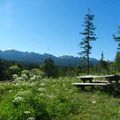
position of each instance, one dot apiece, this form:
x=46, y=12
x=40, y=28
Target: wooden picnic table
x=87, y=78
x=109, y=78
x=92, y=83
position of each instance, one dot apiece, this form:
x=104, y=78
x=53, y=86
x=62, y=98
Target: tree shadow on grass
x=113, y=90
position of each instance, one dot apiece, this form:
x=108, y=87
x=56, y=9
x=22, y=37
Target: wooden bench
x=92, y=85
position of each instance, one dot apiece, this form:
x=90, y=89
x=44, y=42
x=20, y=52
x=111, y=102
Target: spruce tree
x=102, y=56
x=117, y=58
x=88, y=36
x=49, y=68
x=117, y=38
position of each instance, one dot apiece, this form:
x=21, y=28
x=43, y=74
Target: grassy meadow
x=37, y=98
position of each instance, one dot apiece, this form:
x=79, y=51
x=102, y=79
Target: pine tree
x=49, y=68
x=102, y=56
x=89, y=36
x=117, y=58
x=104, y=65
x=117, y=38
x=117, y=61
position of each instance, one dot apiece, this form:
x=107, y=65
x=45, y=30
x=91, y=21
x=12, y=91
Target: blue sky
x=53, y=26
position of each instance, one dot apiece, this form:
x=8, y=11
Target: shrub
x=40, y=111
x=27, y=72
x=14, y=70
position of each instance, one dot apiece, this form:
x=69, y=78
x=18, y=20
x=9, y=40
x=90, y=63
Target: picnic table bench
x=109, y=81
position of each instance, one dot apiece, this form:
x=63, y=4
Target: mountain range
x=31, y=57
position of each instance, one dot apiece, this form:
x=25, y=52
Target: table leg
x=90, y=80
x=82, y=88
x=84, y=81
x=92, y=87
x=117, y=81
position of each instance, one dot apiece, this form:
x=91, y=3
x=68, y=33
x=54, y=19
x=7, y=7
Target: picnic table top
x=95, y=76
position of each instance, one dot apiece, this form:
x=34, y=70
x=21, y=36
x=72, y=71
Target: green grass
x=55, y=99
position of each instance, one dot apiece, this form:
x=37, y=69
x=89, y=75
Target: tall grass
x=54, y=99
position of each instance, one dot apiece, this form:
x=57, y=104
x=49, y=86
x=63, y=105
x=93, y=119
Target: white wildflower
x=42, y=84
x=41, y=89
x=10, y=91
x=17, y=84
x=24, y=76
x=23, y=84
x=18, y=99
x=94, y=101
x=19, y=79
x=51, y=96
x=32, y=84
x=31, y=118
x=14, y=76
x=26, y=112
x=33, y=78
x=41, y=94
x=27, y=72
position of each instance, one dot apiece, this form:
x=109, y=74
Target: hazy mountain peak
x=31, y=57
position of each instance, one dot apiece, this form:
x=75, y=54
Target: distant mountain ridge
x=31, y=57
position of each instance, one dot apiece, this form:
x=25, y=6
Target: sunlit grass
x=55, y=99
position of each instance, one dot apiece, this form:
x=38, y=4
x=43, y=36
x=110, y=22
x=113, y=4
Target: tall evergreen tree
x=117, y=38
x=89, y=35
x=117, y=62
x=104, y=65
x=49, y=68
x=117, y=58
x=102, y=56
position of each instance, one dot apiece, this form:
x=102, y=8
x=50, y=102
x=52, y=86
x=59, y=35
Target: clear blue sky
x=53, y=26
